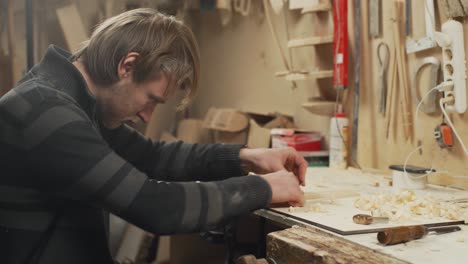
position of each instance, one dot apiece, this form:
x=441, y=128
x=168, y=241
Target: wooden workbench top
x=445, y=248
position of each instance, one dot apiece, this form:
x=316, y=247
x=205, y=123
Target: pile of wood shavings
x=405, y=205
x=309, y=207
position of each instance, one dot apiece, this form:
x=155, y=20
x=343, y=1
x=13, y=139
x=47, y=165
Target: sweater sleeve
x=68, y=157
x=175, y=161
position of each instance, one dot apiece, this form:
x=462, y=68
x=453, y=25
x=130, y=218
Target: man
x=69, y=159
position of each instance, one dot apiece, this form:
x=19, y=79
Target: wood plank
x=307, y=245
x=72, y=26
x=11, y=41
x=317, y=8
x=330, y=202
x=295, y=43
x=326, y=108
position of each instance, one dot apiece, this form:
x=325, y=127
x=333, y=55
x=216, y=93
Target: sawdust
x=405, y=205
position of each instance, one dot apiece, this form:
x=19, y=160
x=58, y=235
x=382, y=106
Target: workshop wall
x=239, y=61
x=377, y=151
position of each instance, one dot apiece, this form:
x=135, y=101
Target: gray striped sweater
x=60, y=165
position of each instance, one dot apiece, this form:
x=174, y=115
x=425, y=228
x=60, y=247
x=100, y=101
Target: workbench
x=305, y=241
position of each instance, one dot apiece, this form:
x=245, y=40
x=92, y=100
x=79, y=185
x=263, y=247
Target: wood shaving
x=309, y=207
x=405, y=205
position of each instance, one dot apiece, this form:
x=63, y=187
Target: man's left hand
x=266, y=160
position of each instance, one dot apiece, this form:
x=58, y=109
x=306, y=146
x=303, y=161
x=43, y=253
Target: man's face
x=127, y=101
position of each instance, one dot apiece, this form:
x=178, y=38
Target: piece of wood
x=72, y=26
x=275, y=37
x=301, y=4
x=295, y=43
x=335, y=213
x=11, y=43
x=307, y=245
x=324, y=6
x=390, y=95
x=326, y=108
x=300, y=76
x=402, y=68
x=250, y=259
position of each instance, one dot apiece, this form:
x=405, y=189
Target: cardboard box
x=261, y=125
x=228, y=125
x=192, y=131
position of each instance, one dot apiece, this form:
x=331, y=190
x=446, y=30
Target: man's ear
x=126, y=64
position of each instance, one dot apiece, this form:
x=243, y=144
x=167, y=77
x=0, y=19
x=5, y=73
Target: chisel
x=402, y=234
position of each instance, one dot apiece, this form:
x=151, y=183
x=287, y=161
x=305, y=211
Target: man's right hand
x=285, y=188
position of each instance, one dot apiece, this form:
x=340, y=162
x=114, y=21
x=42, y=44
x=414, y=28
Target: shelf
x=294, y=43
x=321, y=74
x=325, y=108
x=304, y=75
x=316, y=8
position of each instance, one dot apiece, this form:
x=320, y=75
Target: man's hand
x=285, y=188
x=265, y=160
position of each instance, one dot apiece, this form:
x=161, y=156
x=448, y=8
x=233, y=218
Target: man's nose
x=145, y=114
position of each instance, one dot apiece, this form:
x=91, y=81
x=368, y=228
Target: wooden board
x=307, y=245
x=331, y=194
x=72, y=25
x=338, y=219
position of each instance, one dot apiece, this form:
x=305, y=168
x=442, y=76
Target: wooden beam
x=308, y=245
x=294, y=43
x=72, y=26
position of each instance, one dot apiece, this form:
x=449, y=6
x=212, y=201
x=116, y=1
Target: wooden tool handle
x=401, y=234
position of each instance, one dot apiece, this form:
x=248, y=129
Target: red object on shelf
x=340, y=44
x=301, y=141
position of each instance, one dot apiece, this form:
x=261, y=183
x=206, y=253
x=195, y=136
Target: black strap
x=36, y=252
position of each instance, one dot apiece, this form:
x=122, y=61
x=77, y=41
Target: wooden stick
x=390, y=94
x=275, y=37
x=11, y=41
x=402, y=70
x=396, y=39
x=408, y=123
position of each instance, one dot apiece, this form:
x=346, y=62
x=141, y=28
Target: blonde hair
x=165, y=44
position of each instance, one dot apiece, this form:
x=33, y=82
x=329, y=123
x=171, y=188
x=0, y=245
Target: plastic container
x=413, y=179
x=339, y=126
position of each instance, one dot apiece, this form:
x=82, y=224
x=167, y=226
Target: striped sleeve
x=68, y=157
x=176, y=161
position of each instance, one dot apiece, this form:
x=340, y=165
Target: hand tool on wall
x=391, y=95
x=402, y=68
x=402, y=234
x=408, y=17
x=383, y=55
x=357, y=76
x=374, y=18
x=242, y=6
x=364, y=219
x=429, y=106
x=427, y=42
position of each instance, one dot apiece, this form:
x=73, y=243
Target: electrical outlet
x=451, y=40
